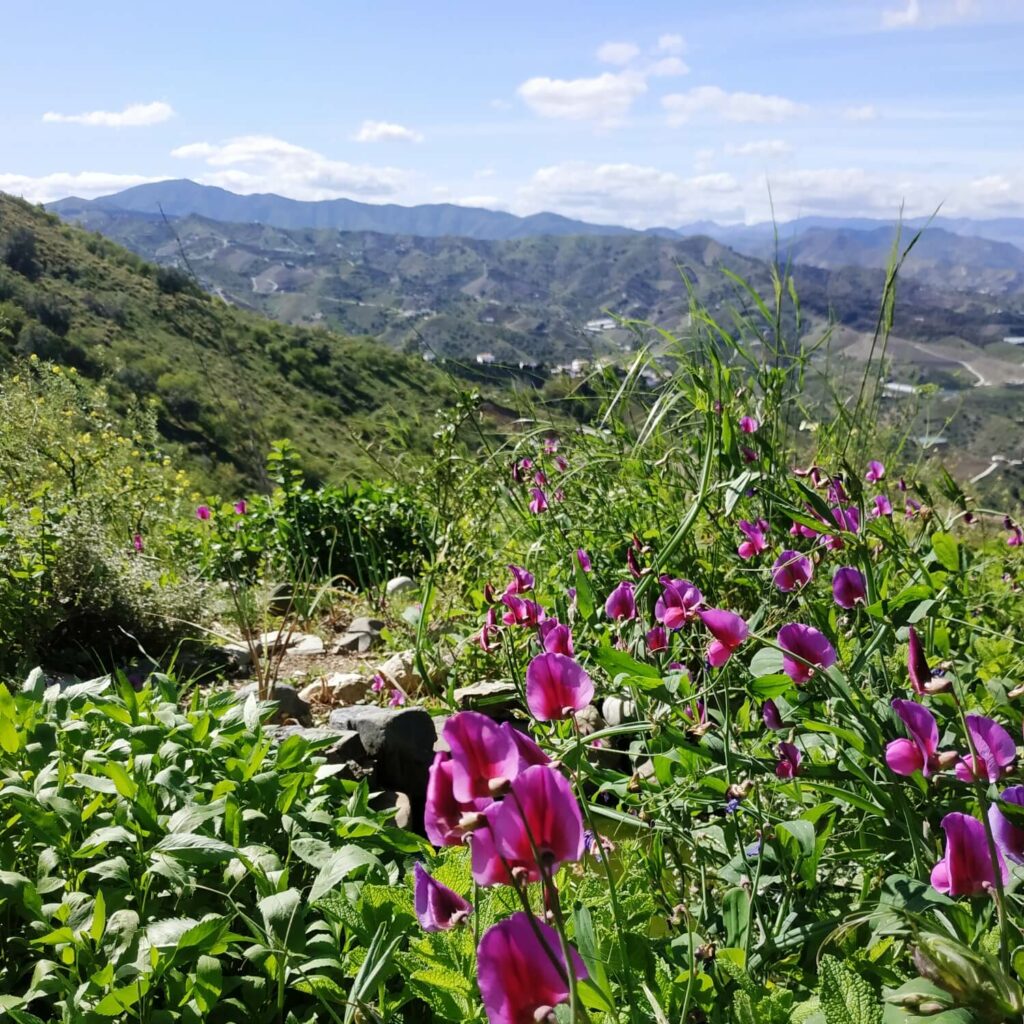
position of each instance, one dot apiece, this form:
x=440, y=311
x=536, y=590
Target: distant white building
x=597, y=326
x=893, y=387
x=485, y=358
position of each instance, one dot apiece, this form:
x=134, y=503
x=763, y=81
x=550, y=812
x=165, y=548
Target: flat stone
x=618, y=710
x=345, y=746
x=290, y=706
x=352, y=643
x=238, y=654
x=296, y=643
x=364, y=624
x=400, y=671
x=399, y=584
x=487, y=695
x=337, y=688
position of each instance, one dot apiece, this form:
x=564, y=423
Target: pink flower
x=789, y=761
x=1008, y=835
x=550, y=445
x=486, y=863
x=522, y=972
x=539, y=823
x=556, y=638
x=749, y=455
x=528, y=751
x=792, y=570
x=876, y=471
x=378, y=683
x=918, y=754
x=484, y=757
x=847, y=519
x=1016, y=539
x=917, y=663
x=443, y=814
x=632, y=564
x=849, y=587
x=438, y=908
x=583, y=559
x=966, y=869
x=540, y=478
x=538, y=501
x=556, y=686
x=559, y=494
x=994, y=751
x=397, y=699
x=203, y=512
x=521, y=612
x=748, y=424
x=241, y=507
x=771, y=717
x=679, y=603
x=562, y=463
x=755, y=542
x=883, y=506
x=137, y=544
x=656, y=639
x=729, y=631
x=804, y=650
x=621, y=603
x=521, y=580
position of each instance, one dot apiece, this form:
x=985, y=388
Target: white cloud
x=136, y=115
x=262, y=163
x=481, y=202
x=606, y=98
x=868, y=112
x=667, y=67
x=670, y=43
x=730, y=106
x=84, y=184
x=617, y=53
x=386, y=131
x=703, y=160
x=760, y=148
x=928, y=13
x=902, y=17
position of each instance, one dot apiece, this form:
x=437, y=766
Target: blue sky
x=654, y=112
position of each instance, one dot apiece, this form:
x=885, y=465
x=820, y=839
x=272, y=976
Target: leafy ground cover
x=761, y=764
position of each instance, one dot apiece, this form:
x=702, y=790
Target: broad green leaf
x=339, y=867
x=195, y=849
x=846, y=998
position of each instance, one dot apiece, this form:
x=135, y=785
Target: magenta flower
x=241, y=507
x=438, y=908
x=913, y=507
x=749, y=455
x=802, y=530
x=550, y=445
x=883, y=506
x=538, y=501
x=137, y=544
x=539, y=823
x=790, y=757
x=771, y=717
x=656, y=640
x=484, y=758
x=562, y=463
x=397, y=699
x=584, y=560
x=748, y=424
x=632, y=564
x=488, y=631
x=994, y=751
x=917, y=663
x=556, y=686
x=378, y=683
x=521, y=612
x=559, y=494
x=755, y=542
x=486, y=863
x=522, y=972
x=836, y=490
x=1016, y=539
x=918, y=754
x=729, y=631
x=556, y=638
x=876, y=471
x=621, y=603
x=966, y=869
x=847, y=519
x=522, y=580
x=540, y=478
x=1009, y=836
x=804, y=650
x=528, y=751
x=792, y=570
x=203, y=512
x=679, y=603
x=849, y=587
x=442, y=815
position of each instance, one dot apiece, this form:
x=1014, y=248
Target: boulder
x=362, y=634
x=399, y=585
x=400, y=672
x=276, y=641
x=290, y=706
x=491, y=696
x=337, y=688
x=237, y=654
x=618, y=710
x=346, y=746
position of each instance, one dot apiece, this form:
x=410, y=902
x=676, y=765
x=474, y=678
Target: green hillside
x=222, y=382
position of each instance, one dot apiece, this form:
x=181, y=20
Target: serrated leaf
x=847, y=998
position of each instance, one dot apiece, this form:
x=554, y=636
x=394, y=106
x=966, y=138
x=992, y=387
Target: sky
x=654, y=112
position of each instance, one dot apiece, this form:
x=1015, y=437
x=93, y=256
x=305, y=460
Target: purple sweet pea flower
x=203, y=512
x=792, y=570
x=966, y=869
x=521, y=612
x=749, y=425
x=584, y=560
x=241, y=507
x=771, y=716
x=847, y=519
x=918, y=754
x=137, y=545
x=749, y=455
x=1009, y=836
x=556, y=686
x=397, y=699
x=521, y=580
x=883, y=506
x=678, y=604
x=555, y=637
x=538, y=501
x=876, y=471
x=755, y=542
x=789, y=761
x=438, y=908
x=729, y=631
x=656, y=639
x=994, y=749
x=849, y=587
x=621, y=603
x=917, y=663
x=801, y=645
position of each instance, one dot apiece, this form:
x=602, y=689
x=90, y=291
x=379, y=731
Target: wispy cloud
x=928, y=13
x=60, y=184
x=263, y=163
x=605, y=98
x=671, y=42
x=867, y=112
x=617, y=53
x=730, y=106
x=760, y=148
x=386, y=131
x=136, y=115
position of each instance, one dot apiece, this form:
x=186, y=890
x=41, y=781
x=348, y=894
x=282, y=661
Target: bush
x=19, y=253
x=172, y=281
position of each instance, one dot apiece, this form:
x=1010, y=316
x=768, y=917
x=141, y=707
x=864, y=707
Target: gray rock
x=237, y=654
x=589, y=720
x=345, y=746
x=275, y=642
x=399, y=802
x=364, y=624
x=290, y=706
x=618, y=710
x=362, y=635
x=399, y=585
x=337, y=688
x=400, y=671
x=488, y=695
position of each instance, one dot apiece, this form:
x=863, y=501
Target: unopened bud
x=471, y=822
x=947, y=758
x=544, y=1015
x=498, y=787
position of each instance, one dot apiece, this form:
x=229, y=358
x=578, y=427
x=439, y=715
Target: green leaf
x=207, y=983
x=767, y=662
x=339, y=867
x=121, y=999
x=847, y=998
x=281, y=912
x=99, y=917
x=947, y=551
x=616, y=663
x=195, y=849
